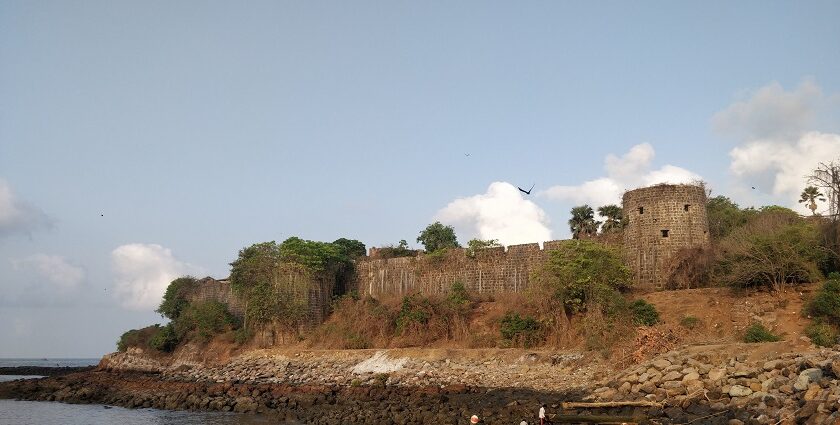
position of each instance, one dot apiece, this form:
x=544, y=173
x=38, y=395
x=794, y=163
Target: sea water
x=52, y=413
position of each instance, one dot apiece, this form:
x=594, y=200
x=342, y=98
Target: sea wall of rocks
x=787, y=389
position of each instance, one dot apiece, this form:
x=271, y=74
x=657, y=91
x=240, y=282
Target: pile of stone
x=789, y=389
x=539, y=371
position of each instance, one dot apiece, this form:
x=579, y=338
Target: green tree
x=583, y=222
x=350, y=247
x=582, y=272
x=255, y=265
x=811, y=195
x=613, y=215
x=437, y=236
x=174, y=299
x=475, y=245
x=724, y=216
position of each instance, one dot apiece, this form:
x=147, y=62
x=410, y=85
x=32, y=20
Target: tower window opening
x=685, y=207
x=664, y=233
x=641, y=210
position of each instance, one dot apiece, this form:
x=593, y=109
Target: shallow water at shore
x=51, y=413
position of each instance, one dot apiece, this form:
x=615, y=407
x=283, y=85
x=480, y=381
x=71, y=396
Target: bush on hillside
x=579, y=273
x=774, y=248
x=644, y=313
x=137, y=337
x=826, y=303
x=202, y=321
x=174, y=299
x=689, y=322
x=355, y=323
x=458, y=295
x=758, y=333
x=822, y=334
x=520, y=331
x=164, y=339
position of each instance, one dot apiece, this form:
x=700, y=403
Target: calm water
x=49, y=413
x=49, y=362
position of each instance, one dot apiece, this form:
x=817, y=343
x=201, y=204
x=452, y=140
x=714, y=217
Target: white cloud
x=785, y=163
x=18, y=216
x=775, y=153
x=143, y=271
x=500, y=213
x=53, y=268
x=771, y=113
x=631, y=170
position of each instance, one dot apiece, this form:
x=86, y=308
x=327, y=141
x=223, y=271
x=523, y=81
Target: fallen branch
x=585, y=405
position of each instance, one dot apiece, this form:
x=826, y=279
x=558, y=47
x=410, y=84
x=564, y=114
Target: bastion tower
x=662, y=220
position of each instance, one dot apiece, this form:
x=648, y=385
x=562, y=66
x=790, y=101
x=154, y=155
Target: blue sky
x=141, y=140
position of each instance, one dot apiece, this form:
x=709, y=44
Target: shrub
x=401, y=250
x=475, y=245
x=203, y=321
x=414, y=310
x=822, y=334
x=758, y=333
x=242, y=335
x=458, y=295
x=137, y=337
x=826, y=303
x=174, y=299
x=774, y=248
x=579, y=272
x=164, y=339
x=689, y=322
x=524, y=331
x=355, y=323
x=644, y=313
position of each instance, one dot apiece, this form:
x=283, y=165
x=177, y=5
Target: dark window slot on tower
x=641, y=210
x=664, y=233
x=685, y=207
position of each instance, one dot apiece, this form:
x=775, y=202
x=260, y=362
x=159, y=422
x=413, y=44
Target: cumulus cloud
x=629, y=171
x=500, y=213
x=53, y=268
x=143, y=271
x=18, y=216
x=775, y=150
x=771, y=112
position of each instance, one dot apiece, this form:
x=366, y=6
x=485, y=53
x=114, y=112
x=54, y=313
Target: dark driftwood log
x=582, y=405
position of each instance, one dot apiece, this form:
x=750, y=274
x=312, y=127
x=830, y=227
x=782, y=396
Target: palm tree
x=612, y=214
x=583, y=222
x=811, y=194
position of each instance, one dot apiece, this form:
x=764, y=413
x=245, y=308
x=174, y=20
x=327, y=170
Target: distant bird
x=527, y=192
x=102, y=215
x=753, y=187
x=466, y=154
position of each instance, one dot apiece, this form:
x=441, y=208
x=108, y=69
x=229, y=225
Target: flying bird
x=753, y=187
x=466, y=154
x=527, y=192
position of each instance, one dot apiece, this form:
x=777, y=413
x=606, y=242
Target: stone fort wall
x=660, y=221
x=492, y=270
x=315, y=292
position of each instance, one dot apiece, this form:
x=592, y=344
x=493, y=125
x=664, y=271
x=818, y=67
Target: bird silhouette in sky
x=527, y=192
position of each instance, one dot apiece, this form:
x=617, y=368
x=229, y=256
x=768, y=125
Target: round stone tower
x=662, y=219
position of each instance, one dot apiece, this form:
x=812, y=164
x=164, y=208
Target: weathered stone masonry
x=493, y=270
x=662, y=220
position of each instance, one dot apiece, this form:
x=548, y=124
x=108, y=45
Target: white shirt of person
x=523, y=423
x=542, y=412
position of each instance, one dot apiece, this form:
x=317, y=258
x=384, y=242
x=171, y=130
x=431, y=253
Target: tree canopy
x=583, y=222
x=437, y=236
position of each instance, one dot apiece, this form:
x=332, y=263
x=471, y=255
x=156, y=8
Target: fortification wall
x=492, y=270
x=293, y=286
x=662, y=220
x=209, y=289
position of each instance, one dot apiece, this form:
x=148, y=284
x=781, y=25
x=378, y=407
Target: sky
x=141, y=141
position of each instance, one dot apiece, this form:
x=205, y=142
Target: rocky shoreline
x=44, y=370
x=692, y=385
